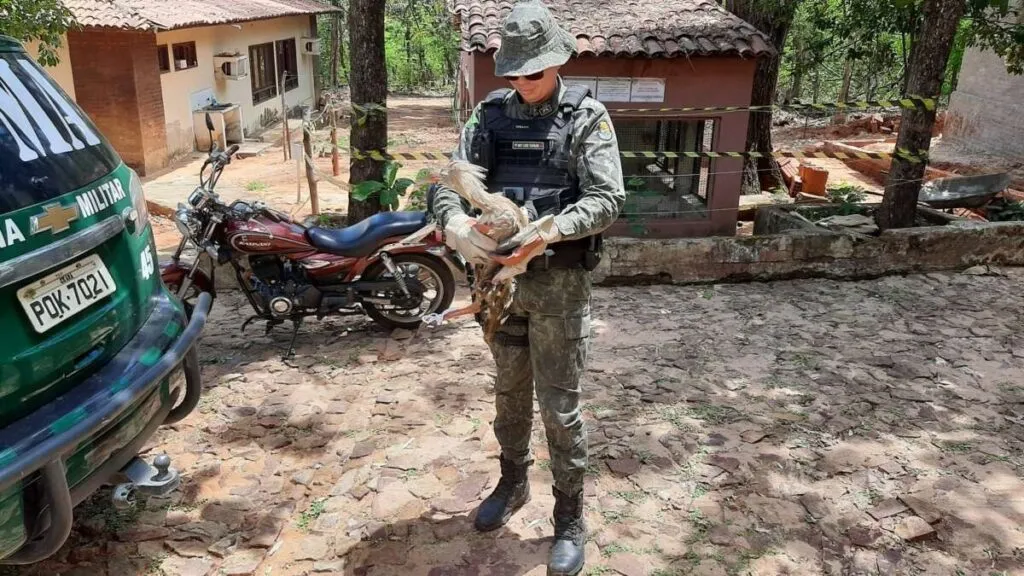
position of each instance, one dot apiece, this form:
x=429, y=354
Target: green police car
x=95, y=353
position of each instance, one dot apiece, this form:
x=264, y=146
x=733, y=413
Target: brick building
x=647, y=54
x=146, y=70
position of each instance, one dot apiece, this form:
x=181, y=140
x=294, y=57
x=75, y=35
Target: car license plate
x=63, y=294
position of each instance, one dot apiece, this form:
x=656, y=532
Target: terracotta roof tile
x=169, y=14
x=655, y=28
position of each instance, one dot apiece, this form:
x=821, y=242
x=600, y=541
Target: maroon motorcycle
x=392, y=266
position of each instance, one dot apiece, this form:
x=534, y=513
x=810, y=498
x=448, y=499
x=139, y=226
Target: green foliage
x=421, y=46
x=1005, y=210
x=997, y=26
x=848, y=196
x=390, y=190
x=875, y=38
x=314, y=512
x=31, y=20
x=418, y=196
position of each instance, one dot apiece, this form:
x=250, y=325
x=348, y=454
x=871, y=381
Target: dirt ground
x=420, y=124
x=804, y=427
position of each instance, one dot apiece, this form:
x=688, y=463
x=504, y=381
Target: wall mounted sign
x=621, y=89
x=647, y=90
x=613, y=89
x=583, y=80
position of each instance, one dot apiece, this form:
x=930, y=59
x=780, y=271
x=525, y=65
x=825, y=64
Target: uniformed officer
x=551, y=148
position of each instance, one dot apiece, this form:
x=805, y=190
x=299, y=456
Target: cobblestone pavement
x=804, y=427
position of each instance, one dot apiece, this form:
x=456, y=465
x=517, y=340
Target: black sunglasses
x=531, y=77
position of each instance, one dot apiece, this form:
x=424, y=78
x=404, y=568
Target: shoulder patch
x=604, y=130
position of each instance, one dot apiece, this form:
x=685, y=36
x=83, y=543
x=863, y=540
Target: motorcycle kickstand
x=248, y=321
x=296, y=324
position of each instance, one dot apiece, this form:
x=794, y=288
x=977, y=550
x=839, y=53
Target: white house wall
x=61, y=73
x=179, y=86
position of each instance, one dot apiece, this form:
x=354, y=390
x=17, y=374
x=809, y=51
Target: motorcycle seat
x=362, y=238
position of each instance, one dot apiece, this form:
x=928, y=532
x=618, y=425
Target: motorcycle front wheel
x=429, y=276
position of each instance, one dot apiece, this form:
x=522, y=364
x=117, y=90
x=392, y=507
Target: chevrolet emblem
x=55, y=218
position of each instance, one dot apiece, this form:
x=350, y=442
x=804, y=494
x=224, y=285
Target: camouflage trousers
x=543, y=345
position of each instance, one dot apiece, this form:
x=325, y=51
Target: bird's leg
x=438, y=319
x=471, y=309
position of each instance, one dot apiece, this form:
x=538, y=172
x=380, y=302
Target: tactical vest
x=530, y=162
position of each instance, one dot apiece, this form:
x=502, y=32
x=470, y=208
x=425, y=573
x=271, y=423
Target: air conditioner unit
x=231, y=66
x=311, y=46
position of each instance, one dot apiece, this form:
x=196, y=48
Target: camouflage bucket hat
x=531, y=41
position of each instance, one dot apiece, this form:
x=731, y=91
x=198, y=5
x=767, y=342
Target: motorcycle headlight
x=197, y=198
x=181, y=220
x=139, y=213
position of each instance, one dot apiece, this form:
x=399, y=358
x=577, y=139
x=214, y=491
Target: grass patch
x=599, y=570
x=675, y=416
x=544, y=464
x=805, y=361
x=714, y=413
x=633, y=497
x=311, y=514
x=701, y=525
x=868, y=497
x=693, y=558
x=615, y=516
x=614, y=548
x=700, y=490
x=256, y=186
x=114, y=520
x=957, y=447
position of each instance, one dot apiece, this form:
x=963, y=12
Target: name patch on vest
x=524, y=145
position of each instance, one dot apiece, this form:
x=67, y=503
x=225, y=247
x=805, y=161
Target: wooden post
x=298, y=175
x=284, y=120
x=307, y=148
x=335, y=160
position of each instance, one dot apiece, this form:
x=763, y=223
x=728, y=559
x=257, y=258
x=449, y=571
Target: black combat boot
x=511, y=493
x=567, y=556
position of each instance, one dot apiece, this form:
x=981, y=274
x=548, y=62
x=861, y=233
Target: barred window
x=264, y=72
x=666, y=187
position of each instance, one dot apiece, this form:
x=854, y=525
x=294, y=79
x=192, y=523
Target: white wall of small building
x=180, y=85
x=61, y=73
x=986, y=111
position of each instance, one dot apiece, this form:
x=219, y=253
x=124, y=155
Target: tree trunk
x=335, y=157
x=844, y=91
x=335, y=31
x=928, y=58
x=774, y=20
x=795, y=88
x=307, y=161
x=369, y=85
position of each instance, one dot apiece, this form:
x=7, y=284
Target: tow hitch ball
x=156, y=480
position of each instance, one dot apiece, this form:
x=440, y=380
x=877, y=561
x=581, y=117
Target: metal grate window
x=666, y=187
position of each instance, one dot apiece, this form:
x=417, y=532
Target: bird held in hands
x=500, y=219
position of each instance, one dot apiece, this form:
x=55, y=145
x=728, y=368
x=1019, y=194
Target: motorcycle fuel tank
x=263, y=236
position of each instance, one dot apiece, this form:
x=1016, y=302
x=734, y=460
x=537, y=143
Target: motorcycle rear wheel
x=436, y=271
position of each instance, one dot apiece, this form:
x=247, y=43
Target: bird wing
x=467, y=180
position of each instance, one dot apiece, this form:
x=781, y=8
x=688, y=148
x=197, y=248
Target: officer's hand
x=466, y=237
x=543, y=230
x=516, y=252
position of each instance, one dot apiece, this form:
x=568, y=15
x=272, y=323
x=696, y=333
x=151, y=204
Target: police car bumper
x=129, y=388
